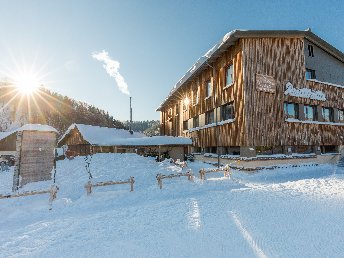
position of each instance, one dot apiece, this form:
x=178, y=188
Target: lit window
x=310, y=113
x=327, y=114
x=229, y=75
x=209, y=117
x=341, y=115
x=291, y=110
x=227, y=111
x=310, y=74
x=208, y=88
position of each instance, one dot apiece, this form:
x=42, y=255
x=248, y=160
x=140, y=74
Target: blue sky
x=154, y=41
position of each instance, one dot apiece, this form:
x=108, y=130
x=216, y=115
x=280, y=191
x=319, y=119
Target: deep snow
x=294, y=212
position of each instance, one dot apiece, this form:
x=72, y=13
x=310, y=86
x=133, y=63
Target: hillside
x=47, y=107
x=148, y=127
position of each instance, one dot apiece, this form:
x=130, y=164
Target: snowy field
x=295, y=212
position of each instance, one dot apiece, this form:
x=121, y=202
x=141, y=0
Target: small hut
x=87, y=139
x=33, y=146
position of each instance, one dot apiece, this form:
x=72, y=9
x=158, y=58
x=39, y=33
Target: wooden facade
x=259, y=113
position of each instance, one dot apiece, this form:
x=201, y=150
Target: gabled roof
x=104, y=136
x=28, y=127
x=230, y=38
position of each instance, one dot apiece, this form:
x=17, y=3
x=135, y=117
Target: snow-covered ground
x=294, y=212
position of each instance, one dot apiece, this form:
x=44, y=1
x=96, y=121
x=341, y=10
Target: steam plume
x=112, y=67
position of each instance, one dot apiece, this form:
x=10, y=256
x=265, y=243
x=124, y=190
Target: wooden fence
x=89, y=184
x=52, y=194
x=226, y=170
x=160, y=177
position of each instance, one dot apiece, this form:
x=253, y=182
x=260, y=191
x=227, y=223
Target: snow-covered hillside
x=294, y=212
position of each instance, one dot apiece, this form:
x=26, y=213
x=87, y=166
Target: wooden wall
x=9, y=143
x=284, y=60
x=230, y=134
x=37, y=155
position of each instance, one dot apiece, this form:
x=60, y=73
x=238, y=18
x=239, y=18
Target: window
x=291, y=110
x=229, y=75
x=196, y=121
x=310, y=113
x=195, y=97
x=310, y=74
x=341, y=115
x=227, y=111
x=185, y=125
x=310, y=51
x=209, y=117
x=328, y=114
x=208, y=89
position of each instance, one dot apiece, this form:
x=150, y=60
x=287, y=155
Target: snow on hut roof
x=231, y=37
x=29, y=127
x=104, y=136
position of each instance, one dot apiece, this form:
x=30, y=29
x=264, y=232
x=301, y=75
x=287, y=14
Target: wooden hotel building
x=261, y=92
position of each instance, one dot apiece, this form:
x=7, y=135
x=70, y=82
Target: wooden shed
x=34, y=148
x=87, y=139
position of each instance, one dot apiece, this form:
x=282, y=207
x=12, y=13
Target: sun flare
x=27, y=83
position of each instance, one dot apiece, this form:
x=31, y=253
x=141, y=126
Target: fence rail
x=160, y=177
x=226, y=170
x=89, y=184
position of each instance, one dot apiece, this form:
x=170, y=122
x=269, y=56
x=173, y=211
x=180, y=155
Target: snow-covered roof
x=29, y=127
x=104, y=136
x=231, y=37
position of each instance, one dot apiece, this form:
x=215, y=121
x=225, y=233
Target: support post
x=132, y=181
x=88, y=188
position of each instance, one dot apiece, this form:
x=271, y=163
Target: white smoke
x=112, y=67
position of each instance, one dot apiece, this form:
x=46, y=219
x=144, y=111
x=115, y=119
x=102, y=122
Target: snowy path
x=269, y=214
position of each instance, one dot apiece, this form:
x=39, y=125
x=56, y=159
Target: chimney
x=131, y=119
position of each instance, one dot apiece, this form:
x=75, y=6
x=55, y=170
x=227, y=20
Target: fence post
x=132, y=181
x=88, y=187
x=158, y=177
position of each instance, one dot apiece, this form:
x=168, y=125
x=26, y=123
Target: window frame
x=195, y=122
x=330, y=114
x=208, y=115
x=315, y=113
x=296, y=110
x=340, y=115
x=208, y=84
x=226, y=75
x=310, y=50
x=223, y=116
x=312, y=74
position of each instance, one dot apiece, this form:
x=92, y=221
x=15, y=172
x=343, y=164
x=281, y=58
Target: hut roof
x=104, y=136
x=29, y=127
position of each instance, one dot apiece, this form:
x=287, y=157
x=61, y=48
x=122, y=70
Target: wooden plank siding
x=259, y=114
x=230, y=134
x=284, y=60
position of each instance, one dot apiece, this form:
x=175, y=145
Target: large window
x=310, y=74
x=229, y=75
x=341, y=115
x=227, y=111
x=291, y=110
x=196, y=121
x=209, y=117
x=208, y=89
x=310, y=113
x=328, y=114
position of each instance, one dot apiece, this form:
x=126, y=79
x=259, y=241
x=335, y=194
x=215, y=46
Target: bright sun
x=27, y=83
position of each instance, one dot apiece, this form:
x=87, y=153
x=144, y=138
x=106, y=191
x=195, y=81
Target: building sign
x=265, y=83
x=304, y=93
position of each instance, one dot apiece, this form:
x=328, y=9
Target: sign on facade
x=304, y=93
x=265, y=83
